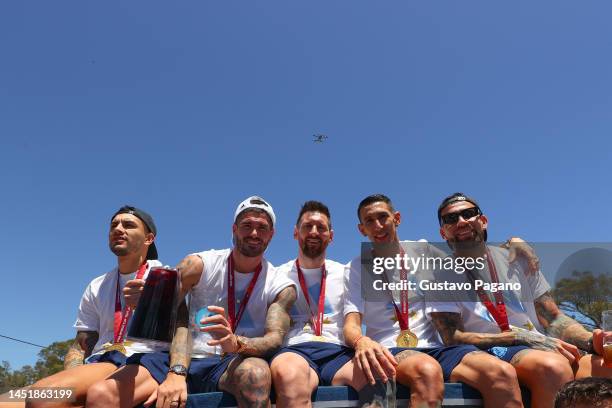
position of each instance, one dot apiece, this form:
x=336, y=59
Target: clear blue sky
x=185, y=108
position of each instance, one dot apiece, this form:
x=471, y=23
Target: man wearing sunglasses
x=507, y=323
x=399, y=340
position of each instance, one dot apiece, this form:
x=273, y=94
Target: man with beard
x=99, y=347
x=507, y=323
x=397, y=328
x=237, y=316
x=315, y=353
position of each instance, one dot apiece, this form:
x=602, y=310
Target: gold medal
x=319, y=338
x=407, y=339
x=116, y=347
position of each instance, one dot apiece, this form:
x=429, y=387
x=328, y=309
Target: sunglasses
x=467, y=214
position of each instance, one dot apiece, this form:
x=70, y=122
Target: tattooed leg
x=543, y=372
x=294, y=380
x=423, y=375
x=495, y=379
x=249, y=380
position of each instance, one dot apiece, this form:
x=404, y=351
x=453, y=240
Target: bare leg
x=294, y=380
x=79, y=378
x=495, y=379
x=592, y=366
x=249, y=380
x=423, y=375
x=544, y=373
x=127, y=387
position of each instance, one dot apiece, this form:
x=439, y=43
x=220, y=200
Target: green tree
x=50, y=361
x=591, y=294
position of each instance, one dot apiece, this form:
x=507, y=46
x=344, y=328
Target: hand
x=220, y=330
x=520, y=248
x=598, y=340
x=541, y=342
x=374, y=360
x=172, y=393
x=132, y=290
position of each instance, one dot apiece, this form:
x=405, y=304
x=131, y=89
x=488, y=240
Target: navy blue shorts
x=115, y=357
x=203, y=374
x=506, y=353
x=325, y=358
x=448, y=357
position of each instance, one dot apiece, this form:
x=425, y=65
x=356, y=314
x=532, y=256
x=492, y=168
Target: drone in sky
x=319, y=138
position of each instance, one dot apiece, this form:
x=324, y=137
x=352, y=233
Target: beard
x=120, y=251
x=250, y=249
x=313, y=251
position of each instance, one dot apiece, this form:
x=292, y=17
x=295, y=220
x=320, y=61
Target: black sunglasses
x=467, y=214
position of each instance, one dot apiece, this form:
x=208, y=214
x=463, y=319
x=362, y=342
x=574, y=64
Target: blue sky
x=186, y=108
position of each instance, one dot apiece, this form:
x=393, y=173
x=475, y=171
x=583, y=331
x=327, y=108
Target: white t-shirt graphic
x=211, y=290
x=97, y=310
x=333, y=319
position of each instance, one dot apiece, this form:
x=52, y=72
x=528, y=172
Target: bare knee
x=500, y=374
x=251, y=381
x=102, y=394
x=290, y=379
x=554, y=371
x=423, y=375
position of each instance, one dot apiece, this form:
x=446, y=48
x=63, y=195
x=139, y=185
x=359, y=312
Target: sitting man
x=507, y=324
x=99, y=348
x=238, y=316
x=315, y=353
x=396, y=328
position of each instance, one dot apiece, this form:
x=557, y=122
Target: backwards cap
x=147, y=220
x=255, y=202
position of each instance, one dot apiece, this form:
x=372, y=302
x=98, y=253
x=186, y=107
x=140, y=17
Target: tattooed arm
x=81, y=348
x=451, y=329
x=277, y=325
x=560, y=325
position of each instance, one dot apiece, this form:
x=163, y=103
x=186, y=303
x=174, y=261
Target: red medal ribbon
x=401, y=312
x=123, y=316
x=498, y=311
x=317, y=323
x=231, y=294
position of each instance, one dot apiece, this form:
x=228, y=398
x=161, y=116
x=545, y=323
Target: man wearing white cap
x=237, y=317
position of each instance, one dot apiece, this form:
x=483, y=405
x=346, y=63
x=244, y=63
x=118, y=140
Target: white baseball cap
x=255, y=202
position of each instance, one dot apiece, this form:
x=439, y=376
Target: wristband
x=358, y=340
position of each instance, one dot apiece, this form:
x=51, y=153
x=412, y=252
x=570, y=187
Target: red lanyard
x=231, y=294
x=498, y=311
x=123, y=316
x=401, y=312
x=317, y=323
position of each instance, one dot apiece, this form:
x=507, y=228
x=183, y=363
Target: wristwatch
x=178, y=369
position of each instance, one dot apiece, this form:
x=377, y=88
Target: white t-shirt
x=212, y=288
x=519, y=304
x=379, y=317
x=97, y=310
x=333, y=319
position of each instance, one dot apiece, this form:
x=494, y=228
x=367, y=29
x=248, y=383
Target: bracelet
x=358, y=340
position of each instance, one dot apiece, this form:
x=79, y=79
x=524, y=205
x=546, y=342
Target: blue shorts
x=203, y=374
x=325, y=358
x=506, y=353
x=448, y=357
x=115, y=357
